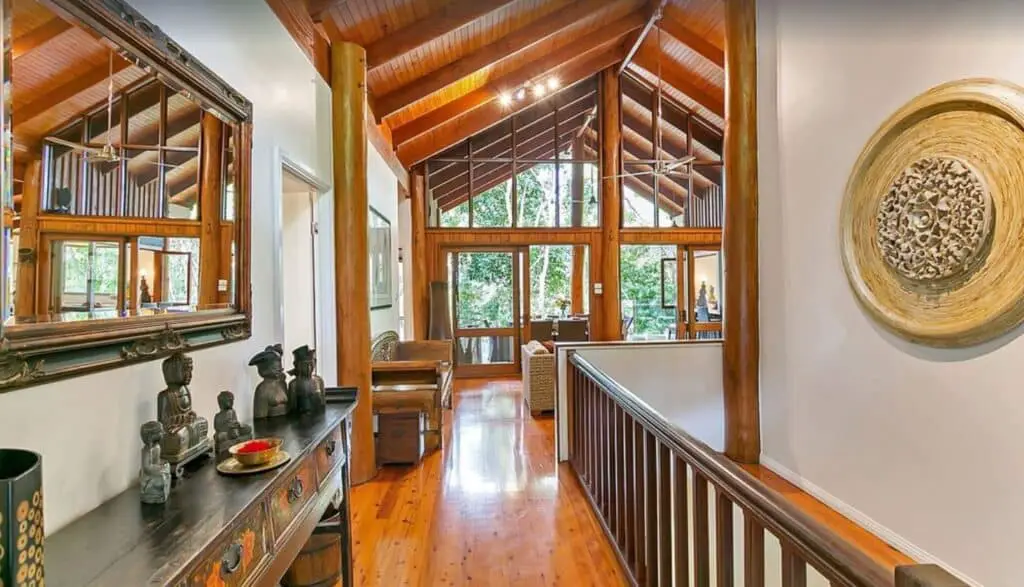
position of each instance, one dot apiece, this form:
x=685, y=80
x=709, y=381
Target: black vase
x=21, y=517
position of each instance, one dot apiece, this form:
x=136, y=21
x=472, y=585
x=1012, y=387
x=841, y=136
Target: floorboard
x=491, y=508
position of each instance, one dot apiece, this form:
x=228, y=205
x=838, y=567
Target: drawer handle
x=232, y=560
x=296, y=490
x=332, y=445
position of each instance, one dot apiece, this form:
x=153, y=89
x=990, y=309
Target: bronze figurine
x=155, y=473
x=271, y=397
x=185, y=434
x=305, y=392
x=228, y=430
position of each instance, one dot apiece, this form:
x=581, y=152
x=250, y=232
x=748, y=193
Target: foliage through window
x=537, y=168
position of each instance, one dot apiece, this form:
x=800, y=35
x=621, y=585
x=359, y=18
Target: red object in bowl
x=255, y=446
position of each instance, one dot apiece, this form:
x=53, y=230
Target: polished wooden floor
x=491, y=508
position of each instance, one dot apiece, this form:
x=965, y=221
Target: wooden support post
x=25, y=287
x=741, y=345
x=577, y=292
x=133, y=274
x=576, y=207
x=611, y=207
x=418, y=243
x=351, y=260
x=210, y=197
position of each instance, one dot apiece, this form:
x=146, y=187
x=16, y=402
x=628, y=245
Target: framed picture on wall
x=380, y=261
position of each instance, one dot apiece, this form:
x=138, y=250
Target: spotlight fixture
x=505, y=99
x=552, y=83
x=538, y=90
x=520, y=93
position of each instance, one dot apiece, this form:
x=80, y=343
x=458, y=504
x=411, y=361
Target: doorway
x=299, y=246
x=485, y=306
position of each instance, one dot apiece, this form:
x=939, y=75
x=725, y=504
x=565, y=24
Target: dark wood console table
x=216, y=530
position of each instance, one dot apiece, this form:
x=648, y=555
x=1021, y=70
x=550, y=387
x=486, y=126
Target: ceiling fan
x=108, y=152
x=661, y=167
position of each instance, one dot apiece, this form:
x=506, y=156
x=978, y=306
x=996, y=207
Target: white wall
x=383, y=195
x=87, y=428
x=921, y=445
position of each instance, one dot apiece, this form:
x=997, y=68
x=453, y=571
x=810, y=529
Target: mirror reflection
x=124, y=200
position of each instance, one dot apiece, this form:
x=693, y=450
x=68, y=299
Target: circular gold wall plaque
x=932, y=223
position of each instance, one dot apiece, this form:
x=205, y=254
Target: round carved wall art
x=932, y=223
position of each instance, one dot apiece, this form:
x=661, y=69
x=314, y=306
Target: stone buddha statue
x=228, y=430
x=185, y=433
x=155, y=473
x=271, y=397
x=305, y=392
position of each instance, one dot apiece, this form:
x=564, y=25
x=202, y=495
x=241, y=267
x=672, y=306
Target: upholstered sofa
x=412, y=375
x=538, y=378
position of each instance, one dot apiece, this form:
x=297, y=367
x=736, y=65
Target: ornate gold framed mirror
x=125, y=192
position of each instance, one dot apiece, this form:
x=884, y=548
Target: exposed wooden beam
x=452, y=16
x=681, y=79
x=654, y=13
x=592, y=43
x=508, y=46
x=493, y=112
x=686, y=36
x=741, y=337
x=318, y=9
x=704, y=132
x=66, y=91
x=38, y=36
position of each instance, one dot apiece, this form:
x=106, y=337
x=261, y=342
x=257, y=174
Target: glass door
x=486, y=311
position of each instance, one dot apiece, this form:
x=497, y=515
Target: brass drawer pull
x=296, y=490
x=332, y=445
x=232, y=560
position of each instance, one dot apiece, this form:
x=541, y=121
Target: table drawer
x=329, y=453
x=291, y=495
x=231, y=563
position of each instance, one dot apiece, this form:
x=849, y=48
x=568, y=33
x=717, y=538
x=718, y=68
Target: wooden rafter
x=38, y=36
x=452, y=16
x=590, y=44
x=318, y=9
x=493, y=112
x=654, y=13
x=686, y=36
x=508, y=46
x=704, y=133
x=681, y=79
x=67, y=91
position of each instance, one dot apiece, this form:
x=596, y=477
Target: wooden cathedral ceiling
x=60, y=72
x=436, y=68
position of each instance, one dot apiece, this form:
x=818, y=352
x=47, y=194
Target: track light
x=538, y=90
x=520, y=93
x=552, y=83
x=505, y=99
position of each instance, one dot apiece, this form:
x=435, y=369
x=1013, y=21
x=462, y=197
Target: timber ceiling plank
x=688, y=37
x=88, y=79
x=591, y=43
x=38, y=36
x=510, y=45
x=681, y=79
x=471, y=123
x=450, y=17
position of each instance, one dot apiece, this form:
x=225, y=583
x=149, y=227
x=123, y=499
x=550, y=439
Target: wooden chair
x=412, y=375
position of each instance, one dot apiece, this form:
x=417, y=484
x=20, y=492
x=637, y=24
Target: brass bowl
x=255, y=459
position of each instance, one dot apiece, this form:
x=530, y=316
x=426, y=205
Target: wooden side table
x=399, y=437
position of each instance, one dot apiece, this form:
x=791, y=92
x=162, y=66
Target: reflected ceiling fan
x=109, y=152
x=661, y=168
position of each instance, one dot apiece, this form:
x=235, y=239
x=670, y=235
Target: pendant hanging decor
x=933, y=212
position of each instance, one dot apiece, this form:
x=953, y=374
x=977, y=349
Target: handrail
x=819, y=546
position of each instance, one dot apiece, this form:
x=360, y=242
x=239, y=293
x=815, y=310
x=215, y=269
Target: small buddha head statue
x=178, y=369
x=226, y=400
x=151, y=432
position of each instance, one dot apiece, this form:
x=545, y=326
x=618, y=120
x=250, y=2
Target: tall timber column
x=611, y=207
x=741, y=347
x=351, y=261
x=420, y=281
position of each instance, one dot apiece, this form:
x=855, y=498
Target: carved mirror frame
x=31, y=354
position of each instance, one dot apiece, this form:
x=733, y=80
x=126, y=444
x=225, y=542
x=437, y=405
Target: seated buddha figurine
x=271, y=397
x=155, y=473
x=305, y=393
x=228, y=430
x=185, y=433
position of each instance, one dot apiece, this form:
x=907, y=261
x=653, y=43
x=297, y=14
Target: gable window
x=535, y=169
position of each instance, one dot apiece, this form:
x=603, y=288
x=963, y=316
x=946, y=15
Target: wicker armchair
x=538, y=378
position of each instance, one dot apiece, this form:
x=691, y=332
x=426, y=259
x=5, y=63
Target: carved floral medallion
x=934, y=221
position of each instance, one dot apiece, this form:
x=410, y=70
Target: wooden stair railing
x=639, y=473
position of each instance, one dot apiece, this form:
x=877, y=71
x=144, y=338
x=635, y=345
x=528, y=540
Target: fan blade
x=637, y=174
x=679, y=162
x=75, y=146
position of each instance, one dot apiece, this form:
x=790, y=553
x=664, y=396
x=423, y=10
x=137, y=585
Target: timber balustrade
x=653, y=488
